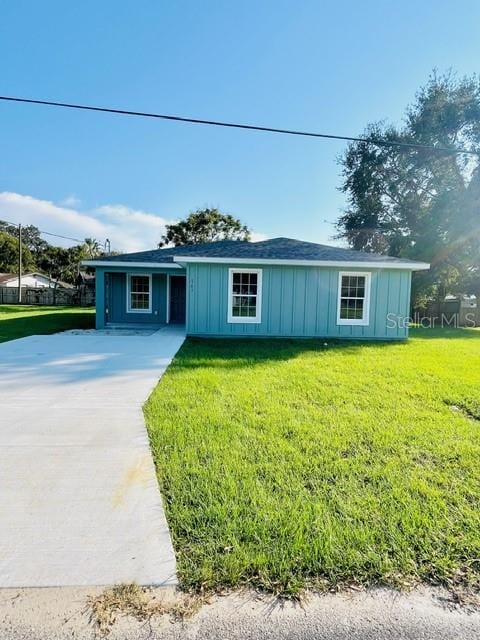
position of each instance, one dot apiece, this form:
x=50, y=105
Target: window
x=353, y=298
x=139, y=290
x=245, y=295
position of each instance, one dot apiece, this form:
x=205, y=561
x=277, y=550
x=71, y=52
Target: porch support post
x=100, y=298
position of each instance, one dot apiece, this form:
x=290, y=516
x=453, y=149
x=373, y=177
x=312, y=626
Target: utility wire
x=15, y=224
x=55, y=235
x=47, y=233
x=236, y=125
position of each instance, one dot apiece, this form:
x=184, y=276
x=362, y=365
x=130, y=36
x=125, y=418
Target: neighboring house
x=453, y=310
x=278, y=287
x=34, y=280
x=464, y=301
x=85, y=280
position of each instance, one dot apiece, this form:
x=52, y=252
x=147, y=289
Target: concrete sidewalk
x=378, y=614
x=79, y=500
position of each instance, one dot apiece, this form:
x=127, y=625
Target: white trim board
x=339, y=264
x=130, y=264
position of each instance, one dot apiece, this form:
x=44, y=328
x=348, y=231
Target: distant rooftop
x=5, y=277
x=8, y=277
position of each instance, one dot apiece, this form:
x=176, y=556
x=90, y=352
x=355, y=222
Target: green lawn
x=18, y=321
x=285, y=464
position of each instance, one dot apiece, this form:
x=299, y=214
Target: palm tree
x=92, y=247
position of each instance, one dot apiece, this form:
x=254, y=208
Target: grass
x=18, y=321
x=137, y=602
x=288, y=464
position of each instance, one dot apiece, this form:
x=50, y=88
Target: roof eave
x=355, y=264
x=130, y=263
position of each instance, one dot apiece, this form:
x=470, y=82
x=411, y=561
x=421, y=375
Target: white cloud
x=127, y=229
x=70, y=201
x=258, y=237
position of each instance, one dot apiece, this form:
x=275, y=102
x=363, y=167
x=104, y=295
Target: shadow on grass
x=44, y=323
x=231, y=353
x=10, y=309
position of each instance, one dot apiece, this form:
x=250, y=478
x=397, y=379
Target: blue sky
x=324, y=66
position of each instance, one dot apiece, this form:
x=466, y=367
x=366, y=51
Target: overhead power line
x=55, y=235
x=47, y=233
x=236, y=125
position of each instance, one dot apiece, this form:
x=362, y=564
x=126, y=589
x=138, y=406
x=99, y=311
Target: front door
x=177, y=299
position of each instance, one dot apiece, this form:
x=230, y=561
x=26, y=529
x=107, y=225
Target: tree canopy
x=204, y=225
x=57, y=262
x=421, y=204
x=9, y=254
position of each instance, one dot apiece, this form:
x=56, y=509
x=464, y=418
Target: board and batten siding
x=111, y=297
x=117, y=305
x=296, y=302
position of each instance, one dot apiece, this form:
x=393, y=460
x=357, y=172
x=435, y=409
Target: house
x=85, y=279
x=453, y=310
x=462, y=301
x=33, y=280
x=278, y=287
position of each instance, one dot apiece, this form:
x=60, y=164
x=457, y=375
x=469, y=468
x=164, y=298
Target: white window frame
x=366, y=300
x=129, y=291
x=245, y=319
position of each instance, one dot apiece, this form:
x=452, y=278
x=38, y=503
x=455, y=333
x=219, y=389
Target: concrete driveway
x=79, y=500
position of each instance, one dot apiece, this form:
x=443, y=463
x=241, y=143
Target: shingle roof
x=274, y=249
x=5, y=277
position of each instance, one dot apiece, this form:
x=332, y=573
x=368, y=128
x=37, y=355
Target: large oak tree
x=204, y=225
x=421, y=204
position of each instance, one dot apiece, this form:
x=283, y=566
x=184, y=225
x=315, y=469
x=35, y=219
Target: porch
x=134, y=298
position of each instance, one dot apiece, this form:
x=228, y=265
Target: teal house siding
x=279, y=287
x=117, y=302
x=297, y=302
x=111, y=297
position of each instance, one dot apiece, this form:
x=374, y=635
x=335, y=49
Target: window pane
x=244, y=294
x=139, y=300
x=359, y=309
x=352, y=297
x=360, y=287
x=139, y=293
x=240, y=311
x=139, y=284
x=353, y=287
x=351, y=309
